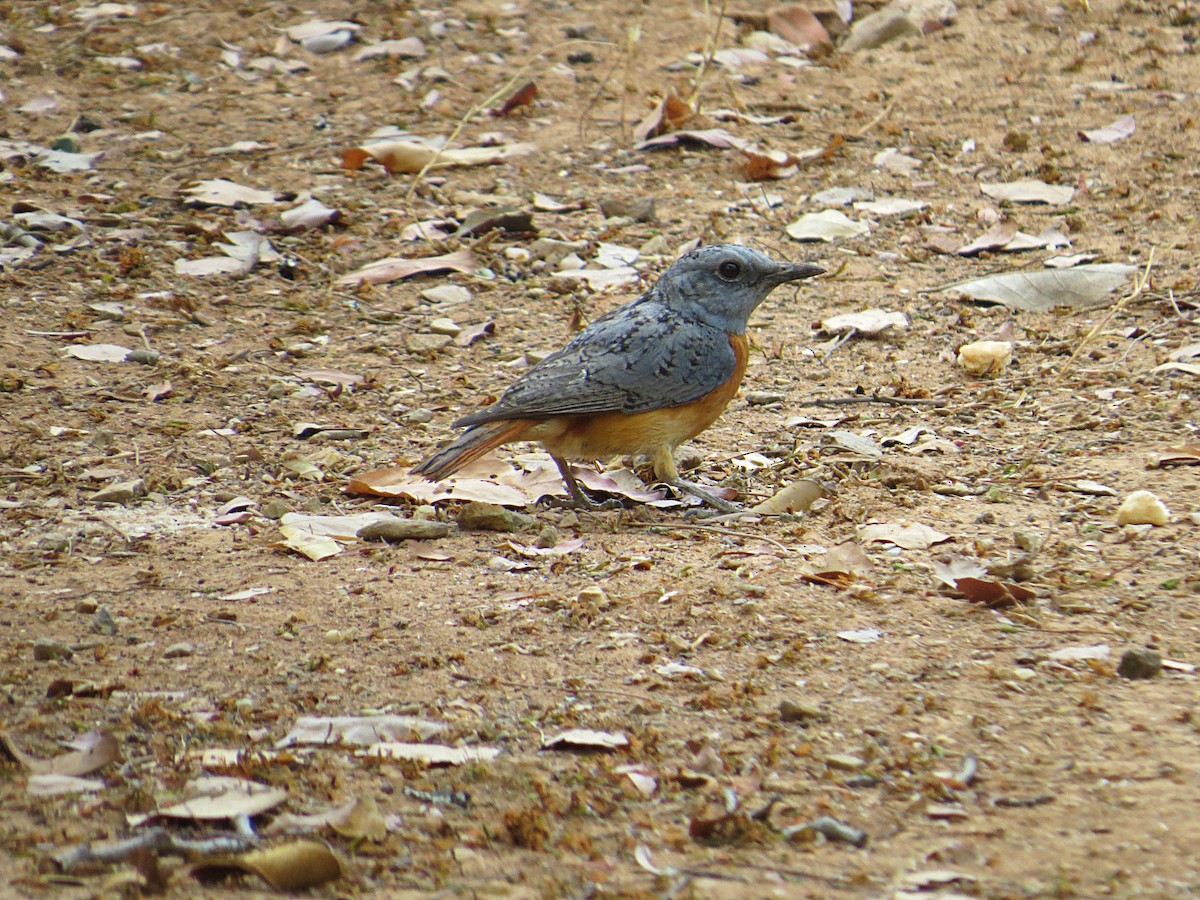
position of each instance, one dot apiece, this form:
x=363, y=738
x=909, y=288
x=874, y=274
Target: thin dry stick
x=491, y=100
x=1138, y=286
x=709, y=52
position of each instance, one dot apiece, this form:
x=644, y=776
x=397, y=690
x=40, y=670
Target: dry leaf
x=215, y=797
x=522, y=96
x=357, y=820
x=396, y=268
x=1043, y=290
x=97, y=352
x=586, y=739
x=94, y=750
x=410, y=157
x=827, y=225
x=795, y=497
x=1118, y=130
x=669, y=115
x=1183, y=455
x=910, y=537
x=796, y=25
x=993, y=594
x=869, y=322
x=1030, y=192
x=358, y=730
x=219, y=192
x=290, y=867
x=708, y=137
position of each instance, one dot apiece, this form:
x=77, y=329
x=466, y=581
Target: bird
x=639, y=380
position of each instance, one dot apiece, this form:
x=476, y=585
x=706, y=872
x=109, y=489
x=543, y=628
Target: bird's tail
x=469, y=446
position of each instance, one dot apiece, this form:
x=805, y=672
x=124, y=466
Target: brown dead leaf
x=796, y=25
x=669, y=115
x=410, y=157
x=94, y=750
x=522, y=96
x=290, y=867
x=993, y=594
x=1183, y=455
x=765, y=165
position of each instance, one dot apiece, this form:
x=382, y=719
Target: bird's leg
x=667, y=472
x=579, y=499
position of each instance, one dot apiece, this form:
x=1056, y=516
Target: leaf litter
x=701, y=625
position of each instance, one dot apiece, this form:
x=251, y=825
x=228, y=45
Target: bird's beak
x=795, y=272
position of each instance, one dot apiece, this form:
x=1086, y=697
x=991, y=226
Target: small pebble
x=426, y=344
x=275, y=509
x=847, y=761
x=594, y=595
x=1139, y=662
x=476, y=516
x=445, y=326
x=46, y=649
x=1142, y=508
x=764, y=398
x=123, y=492
x=547, y=538
x=639, y=209
x=798, y=711
x=180, y=650
x=398, y=529
x=87, y=606
x=102, y=622
x=145, y=357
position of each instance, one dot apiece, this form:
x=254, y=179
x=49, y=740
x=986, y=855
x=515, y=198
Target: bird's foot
x=721, y=506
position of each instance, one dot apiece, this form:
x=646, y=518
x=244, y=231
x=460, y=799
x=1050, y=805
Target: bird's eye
x=729, y=270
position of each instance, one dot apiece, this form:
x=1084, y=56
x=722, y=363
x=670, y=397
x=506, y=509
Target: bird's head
x=722, y=284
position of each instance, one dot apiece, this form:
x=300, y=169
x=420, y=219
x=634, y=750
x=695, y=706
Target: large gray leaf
x=1043, y=290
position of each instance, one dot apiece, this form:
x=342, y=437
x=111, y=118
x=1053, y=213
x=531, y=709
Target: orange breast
x=616, y=433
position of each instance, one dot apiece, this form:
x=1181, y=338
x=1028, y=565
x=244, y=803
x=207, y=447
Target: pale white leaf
x=1029, y=192
x=827, y=225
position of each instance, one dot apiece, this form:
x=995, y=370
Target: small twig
x=713, y=529
x=875, y=398
x=709, y=52
x=158, y=841
x=862, y=132
x=1138, y=287
x=487, y=102
x=837, y=343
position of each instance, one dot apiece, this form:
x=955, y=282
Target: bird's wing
x=638, y=358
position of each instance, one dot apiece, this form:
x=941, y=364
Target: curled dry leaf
x=669, y=115
x=358, y=819
x=796, y=25
x=215, y=797
x=396, y=268
x=94, y=750
x=310, y=214
x=993, y=594
x=289, y=867
x=718, y=138
x=412, y=157
x=522, y=96
x=795, y=497
x=765, y=165
x=586, y=739
x=1183, y=455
